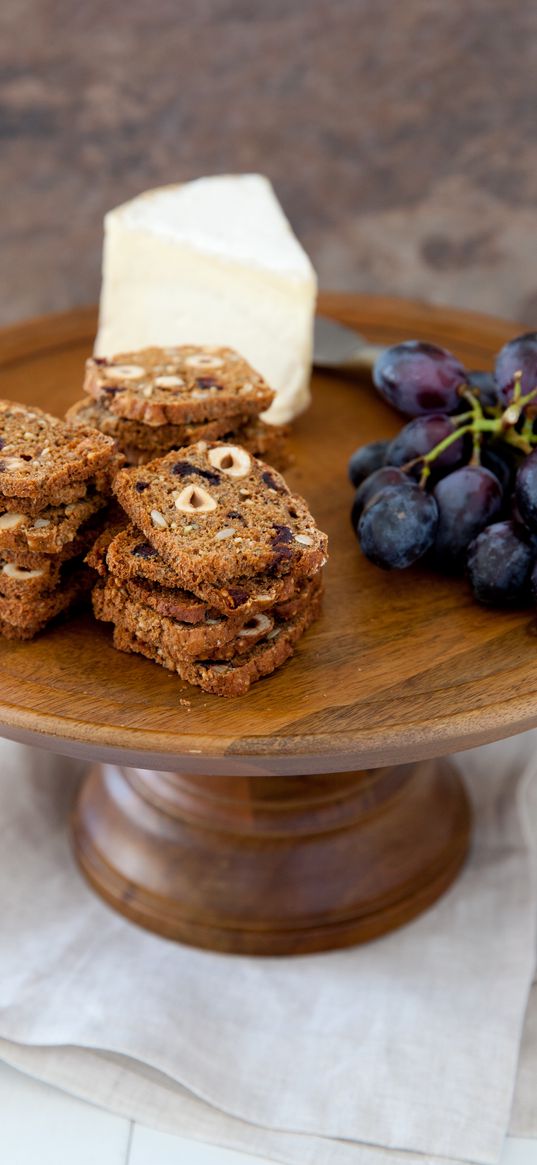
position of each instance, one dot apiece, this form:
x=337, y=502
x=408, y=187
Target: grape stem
x=518, y=441
x=476, y=448
x=477, y=407
x=501, y=425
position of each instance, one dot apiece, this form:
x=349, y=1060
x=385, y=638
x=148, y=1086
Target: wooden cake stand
x=308, y=814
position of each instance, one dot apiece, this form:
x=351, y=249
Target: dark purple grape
x=366, y=460
x=484, y=385
x=398, y=526
x=526, y=490
x=502, y=462
x=419, y=378
x=499, y=565
x=533, y=583
x=515, y=515
x=372, y=485
x=519, y=524
x=420, y=436
x=468, y=500
x=518, y=355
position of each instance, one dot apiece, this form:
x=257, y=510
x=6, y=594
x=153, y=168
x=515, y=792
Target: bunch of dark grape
x=457, y=487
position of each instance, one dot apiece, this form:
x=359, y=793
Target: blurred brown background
x=400, y=135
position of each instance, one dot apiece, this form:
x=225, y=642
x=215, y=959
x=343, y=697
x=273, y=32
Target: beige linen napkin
x=409, y=1044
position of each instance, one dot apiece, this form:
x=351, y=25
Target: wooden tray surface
x=400, y=666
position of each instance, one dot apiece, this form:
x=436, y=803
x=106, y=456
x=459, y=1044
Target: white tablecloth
x=409, y=1045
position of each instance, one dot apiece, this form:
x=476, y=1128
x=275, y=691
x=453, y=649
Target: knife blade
x=341, y=348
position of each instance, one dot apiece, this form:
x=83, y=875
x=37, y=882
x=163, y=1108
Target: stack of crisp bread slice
x=55, y=483
x=161, y=399
x=217, y=572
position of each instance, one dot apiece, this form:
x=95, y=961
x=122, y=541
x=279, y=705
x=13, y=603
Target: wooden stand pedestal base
x=272, y=865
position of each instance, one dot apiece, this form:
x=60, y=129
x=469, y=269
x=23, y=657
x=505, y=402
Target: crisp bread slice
x=177, y=386
x=179, y=604
x=141, y=443
x=215, y=514
x=26, y=575
x=223, y=678
x=39, y=454
x=272, y=447
x=131, y=558
x=215, y=638
x=60, y=495
x=149, y=440
x=22, y=619
x=49, y=531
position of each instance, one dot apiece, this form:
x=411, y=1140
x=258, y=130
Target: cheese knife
x=341, y=348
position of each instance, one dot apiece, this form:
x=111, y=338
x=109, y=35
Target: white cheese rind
x=212, y=262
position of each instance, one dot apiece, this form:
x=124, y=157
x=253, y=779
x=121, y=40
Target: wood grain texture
x=274, y=867
x=399, y=667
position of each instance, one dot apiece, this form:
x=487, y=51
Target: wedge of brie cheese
x=212, y=262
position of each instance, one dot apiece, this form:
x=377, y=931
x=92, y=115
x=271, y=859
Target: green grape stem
x=476, y=448
x=500, y=425
x=473, y=400
x=518, y=441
